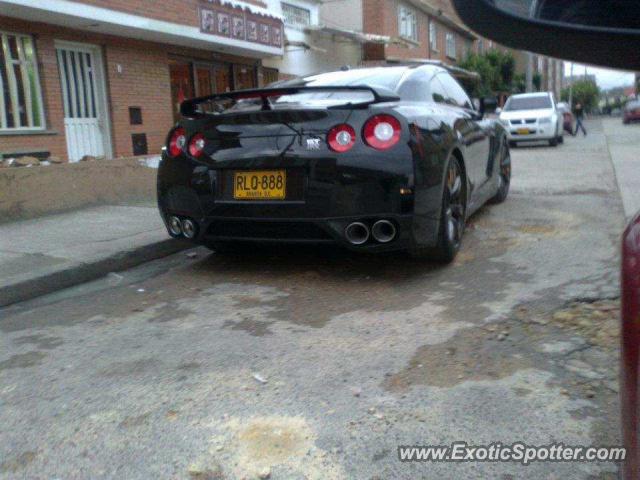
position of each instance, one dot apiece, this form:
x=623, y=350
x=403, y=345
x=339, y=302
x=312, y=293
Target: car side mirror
x=498, y=111
x=602, y=32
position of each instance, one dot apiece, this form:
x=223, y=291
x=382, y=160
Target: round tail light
x=177, y=141
x=196, y=145
x=382, y=132
x=341, y=138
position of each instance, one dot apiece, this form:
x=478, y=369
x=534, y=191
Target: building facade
x=105, y=78
x=547, y=73
x=311, y=46
x=433, y=26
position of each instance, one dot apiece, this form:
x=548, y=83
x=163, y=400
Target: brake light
x=177, y=142
x=341, y=138
x=382, y=132
x=196, y=145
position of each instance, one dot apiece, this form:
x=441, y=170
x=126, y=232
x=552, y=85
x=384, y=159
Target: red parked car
x=630, y=372
x=631, y=112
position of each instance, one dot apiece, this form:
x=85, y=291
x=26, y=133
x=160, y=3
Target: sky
x=605, y=77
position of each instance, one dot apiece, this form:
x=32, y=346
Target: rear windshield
x=372, y=77
x=321, y=99
x=632, y=105
x=377, y=77
x=527, y=103
x=388, y=78
x=295, y=100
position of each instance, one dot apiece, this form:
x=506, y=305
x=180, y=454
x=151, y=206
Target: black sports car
x=376, y=159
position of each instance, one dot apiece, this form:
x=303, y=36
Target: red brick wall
x=177, y=11
x=53, y=109
x=393, y=27
x=143, y=82
x=442, y=43
x=446, y=6
x=373, y=13
x=381, y=17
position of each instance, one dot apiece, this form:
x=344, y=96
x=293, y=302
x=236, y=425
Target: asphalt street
x=318, y=364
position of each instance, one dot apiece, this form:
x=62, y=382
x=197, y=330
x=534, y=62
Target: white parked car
x=532, y=116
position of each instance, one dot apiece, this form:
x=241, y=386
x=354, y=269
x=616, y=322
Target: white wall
x=343, y=14
x=300, y=62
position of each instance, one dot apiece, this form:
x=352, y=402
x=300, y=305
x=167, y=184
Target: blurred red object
x=631, y=115
x=630, y=355
x=568, y=122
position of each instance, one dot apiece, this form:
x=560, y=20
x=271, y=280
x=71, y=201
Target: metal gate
x=84, y=114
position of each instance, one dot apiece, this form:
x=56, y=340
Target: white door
x=84, y=110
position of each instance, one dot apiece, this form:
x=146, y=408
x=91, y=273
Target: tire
x=504, y=176
x=512, y=144
x=452, y=217
x=553, y=142
x=561, y=139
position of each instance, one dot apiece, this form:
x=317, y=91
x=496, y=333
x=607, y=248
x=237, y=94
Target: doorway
x=211, y=78
x=86, y=120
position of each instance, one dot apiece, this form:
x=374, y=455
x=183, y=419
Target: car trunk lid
x=266, y=123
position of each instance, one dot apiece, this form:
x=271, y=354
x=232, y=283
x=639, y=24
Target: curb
x=86, y=272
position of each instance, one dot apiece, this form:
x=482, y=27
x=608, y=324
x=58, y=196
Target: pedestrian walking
x=579, y=112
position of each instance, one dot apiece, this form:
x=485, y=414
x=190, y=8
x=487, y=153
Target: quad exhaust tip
x=383, y=231
x=175, y=226
x=189, y=228
x=357, y=233
x=183, y=227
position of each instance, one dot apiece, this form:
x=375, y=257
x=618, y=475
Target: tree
x=505, y=65
x=480, y=65
x=519, y=83
x=537, y=81
x=584, y=91
x=496, y=70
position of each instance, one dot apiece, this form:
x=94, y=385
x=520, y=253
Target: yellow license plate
x=523, y=131
x=260, y=185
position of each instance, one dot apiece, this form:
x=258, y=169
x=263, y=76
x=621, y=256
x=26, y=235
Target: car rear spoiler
x=188, y=108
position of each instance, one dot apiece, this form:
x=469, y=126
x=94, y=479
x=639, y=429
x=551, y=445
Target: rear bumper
x=332, y=199
x=304, y=231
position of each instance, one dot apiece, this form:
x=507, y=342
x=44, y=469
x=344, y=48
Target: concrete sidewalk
x=50, y=253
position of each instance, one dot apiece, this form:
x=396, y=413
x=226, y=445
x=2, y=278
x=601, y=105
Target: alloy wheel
x=455, y=203
x=505, y=168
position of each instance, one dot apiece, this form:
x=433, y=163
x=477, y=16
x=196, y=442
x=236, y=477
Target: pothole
x=597, y=322
x=472, y=354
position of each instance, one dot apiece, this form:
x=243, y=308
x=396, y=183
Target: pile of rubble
x=28, y=161
x=597, y=321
